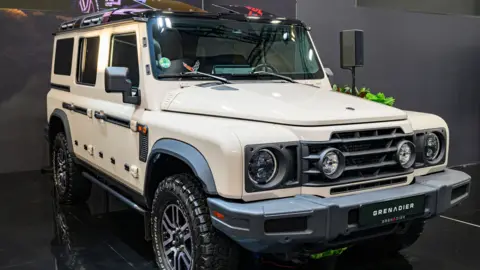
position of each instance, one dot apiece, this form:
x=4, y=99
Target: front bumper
x=329, y=222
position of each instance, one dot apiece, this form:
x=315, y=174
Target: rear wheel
x=70, y=186
x=182, y=232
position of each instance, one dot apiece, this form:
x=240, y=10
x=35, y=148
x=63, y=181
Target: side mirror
x=351, y=49
x=117, y=81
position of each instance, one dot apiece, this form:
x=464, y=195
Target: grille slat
x=369, y=166
x=361, y=139
x=369, y=155
x=358, y=153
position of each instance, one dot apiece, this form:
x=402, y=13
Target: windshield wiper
x=286, y=78
x=196, y=74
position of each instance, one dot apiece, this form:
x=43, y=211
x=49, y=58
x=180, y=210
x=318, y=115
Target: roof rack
x=103, y=17
x=246, y=10
x=141, y=11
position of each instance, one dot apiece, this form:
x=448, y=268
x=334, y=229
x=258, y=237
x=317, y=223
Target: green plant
x=366, y=94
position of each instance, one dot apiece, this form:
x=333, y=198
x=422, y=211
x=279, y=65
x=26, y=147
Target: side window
x=88, y=60
x=124, y=54
x=63, y=57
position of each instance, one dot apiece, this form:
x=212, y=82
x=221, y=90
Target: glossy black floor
x=37, y=234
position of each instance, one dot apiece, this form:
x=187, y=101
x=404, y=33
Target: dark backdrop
x=427, y=62
x=25, y=61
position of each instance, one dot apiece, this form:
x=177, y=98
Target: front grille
x=370, y=185
x=369, y=155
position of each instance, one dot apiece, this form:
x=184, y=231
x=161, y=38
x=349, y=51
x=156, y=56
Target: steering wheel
x=265, y=67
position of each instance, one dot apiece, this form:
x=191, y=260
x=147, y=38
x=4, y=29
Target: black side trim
x=114, y=184
x=60, y=87
x=113, y=119
x=67, y=106
x=74, y=108
x=114, y=193
x=80, y=110
x=118, y=121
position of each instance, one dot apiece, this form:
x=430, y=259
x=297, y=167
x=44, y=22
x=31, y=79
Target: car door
x=119, y=143
x=83, y=88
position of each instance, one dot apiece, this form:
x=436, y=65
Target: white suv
x=223, y=131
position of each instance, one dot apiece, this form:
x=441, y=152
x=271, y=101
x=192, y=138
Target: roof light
x=253, y=17
x=160, y=22
x=276, y=21
x=168, y=22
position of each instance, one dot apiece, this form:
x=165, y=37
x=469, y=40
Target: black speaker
x=351, y=49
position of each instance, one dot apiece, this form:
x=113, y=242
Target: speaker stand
x=354, y=90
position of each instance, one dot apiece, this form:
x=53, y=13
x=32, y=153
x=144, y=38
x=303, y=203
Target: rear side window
x=63, y=57
x=87, y=60
x=124, y=54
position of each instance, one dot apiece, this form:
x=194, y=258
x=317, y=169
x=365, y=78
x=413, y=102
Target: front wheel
x=182, y=232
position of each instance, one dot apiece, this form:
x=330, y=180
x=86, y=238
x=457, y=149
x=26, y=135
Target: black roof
x=143, y=11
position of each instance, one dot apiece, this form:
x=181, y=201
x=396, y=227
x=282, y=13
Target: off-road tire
x=212, y=250
x=70, y=186
x=392, y=244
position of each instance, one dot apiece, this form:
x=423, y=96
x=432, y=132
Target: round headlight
x=331, y=163
x=432, y=147
x=262, y=167
x=406, y=154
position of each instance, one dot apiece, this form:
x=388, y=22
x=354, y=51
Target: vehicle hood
x=282, y=103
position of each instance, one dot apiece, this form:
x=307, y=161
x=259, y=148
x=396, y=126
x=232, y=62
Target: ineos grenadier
x=223, y=131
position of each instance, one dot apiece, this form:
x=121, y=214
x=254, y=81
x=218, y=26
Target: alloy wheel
x=176, y=238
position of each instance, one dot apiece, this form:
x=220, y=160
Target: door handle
x=100, y=115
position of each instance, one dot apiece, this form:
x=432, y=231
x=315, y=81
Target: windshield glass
x=232, y=49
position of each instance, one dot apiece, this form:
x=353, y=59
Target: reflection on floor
x=36, y=233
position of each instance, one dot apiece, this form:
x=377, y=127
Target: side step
x=130, y=203
x=114, y=193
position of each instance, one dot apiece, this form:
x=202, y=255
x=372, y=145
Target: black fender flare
x=66, y=126
x=188, y=154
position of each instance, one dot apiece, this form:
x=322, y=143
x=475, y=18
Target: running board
x=119, y=196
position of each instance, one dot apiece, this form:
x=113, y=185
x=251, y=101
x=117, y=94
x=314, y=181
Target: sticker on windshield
x=194, y=68
x=165, y=62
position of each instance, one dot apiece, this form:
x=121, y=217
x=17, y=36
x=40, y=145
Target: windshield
x=232, y=49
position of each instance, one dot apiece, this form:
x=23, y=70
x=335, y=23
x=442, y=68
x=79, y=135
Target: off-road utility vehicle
x=223, y=131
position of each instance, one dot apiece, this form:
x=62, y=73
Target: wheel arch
x=56, y=118
x=170, y=153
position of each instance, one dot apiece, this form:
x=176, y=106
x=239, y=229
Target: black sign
x=391, y=211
